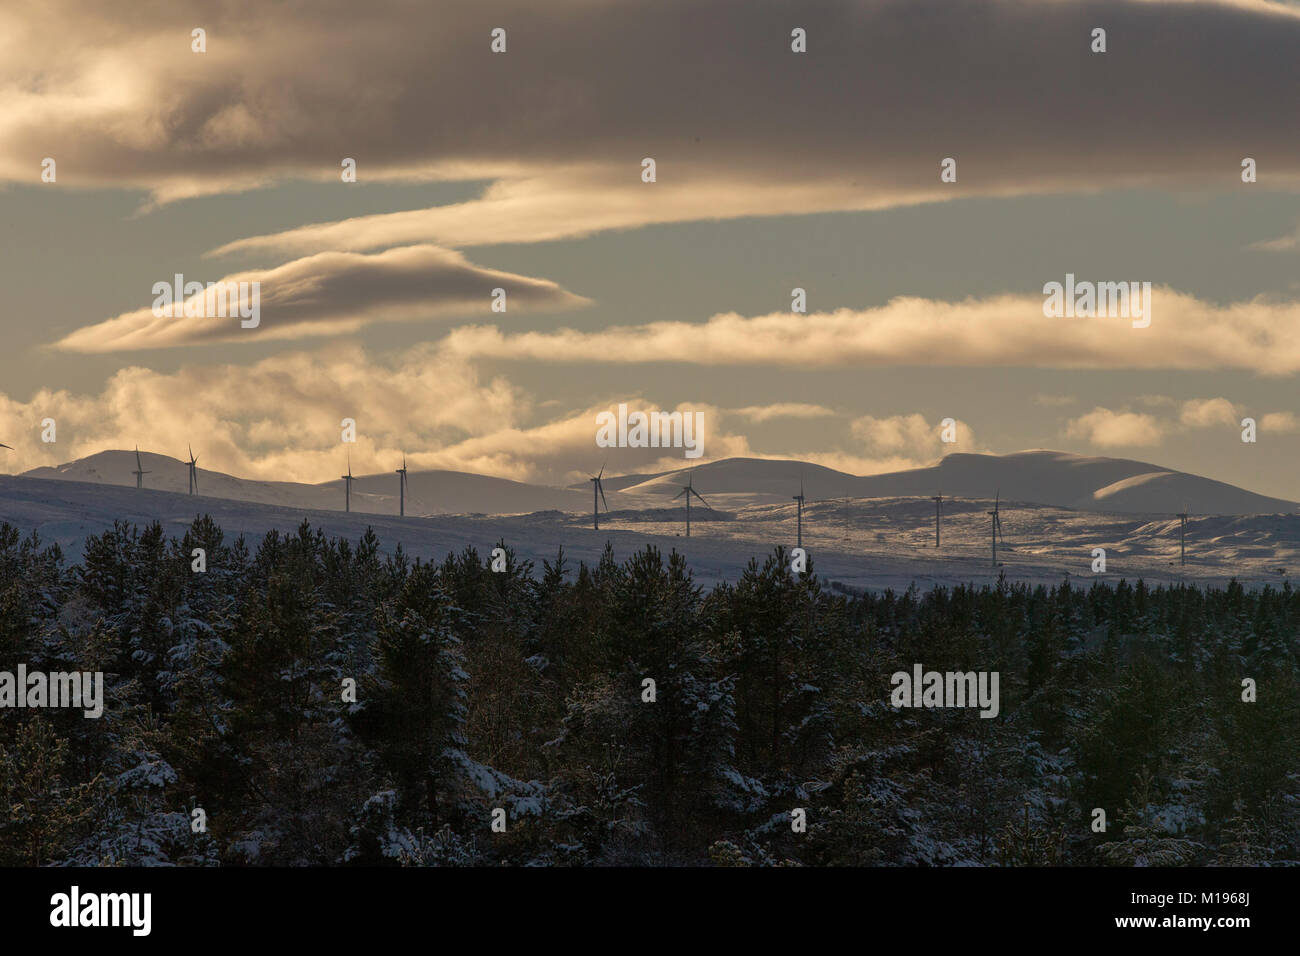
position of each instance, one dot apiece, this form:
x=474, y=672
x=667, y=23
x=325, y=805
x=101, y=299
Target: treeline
x=315, y=702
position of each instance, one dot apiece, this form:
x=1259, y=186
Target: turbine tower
x=800, y=499
x=996, y=528
x=347, y=485
x=938, y=513
x=401, y=488
x=194, y=472
x=597, y=487
x=139, y=469
x=1182, y=535
x=688, y=489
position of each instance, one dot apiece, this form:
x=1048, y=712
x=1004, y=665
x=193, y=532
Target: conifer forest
x=316, y=701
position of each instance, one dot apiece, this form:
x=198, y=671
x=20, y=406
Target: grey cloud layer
x=738, y=124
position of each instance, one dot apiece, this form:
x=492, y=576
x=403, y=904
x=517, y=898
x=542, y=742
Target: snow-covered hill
x=1037, y=477
x=1040, y=477
x=427, y=492
x=866, y=543
x=1073, y=481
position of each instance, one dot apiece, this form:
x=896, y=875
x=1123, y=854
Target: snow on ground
x=1054, y=478
x=865, y=543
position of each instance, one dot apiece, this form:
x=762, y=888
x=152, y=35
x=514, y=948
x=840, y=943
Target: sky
x=774, y=170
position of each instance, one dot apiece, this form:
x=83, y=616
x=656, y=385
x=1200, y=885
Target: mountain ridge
x=1036, y=476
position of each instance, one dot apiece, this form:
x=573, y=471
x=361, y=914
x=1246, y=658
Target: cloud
x=909, y=434
x=1207, y=412
x=1108, y=429
x=327, y=294
x=279, y=419
x=1279, y=422
x=1280, y=244
x=739, y=125
x=766, y=413
x=565, y=450
x=998, y=332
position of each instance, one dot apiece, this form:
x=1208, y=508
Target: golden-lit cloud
x=911, y=435
x=280, y=419
x=325, y=294
x=1208, y=412
x=1109, y=429
x=575, y=202
x=767, y=413
x=1259, y=335
x=1279, y=422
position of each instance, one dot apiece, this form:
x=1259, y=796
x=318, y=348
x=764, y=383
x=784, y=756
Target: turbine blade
x=601, y=488
x=679, y=494
x=701, y=497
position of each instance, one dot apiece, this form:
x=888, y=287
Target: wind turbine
x=401, y=501
x=139, y=469
x=996, y=528
x=597, y=487
x=799, y=498
x=1182, y=535
x=347, y=485
x=194, y=472
x=688, y=489
x=938, y=512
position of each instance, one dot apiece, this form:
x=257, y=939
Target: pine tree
x=413, y=711
x=1143, y=841
x=41, y=812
